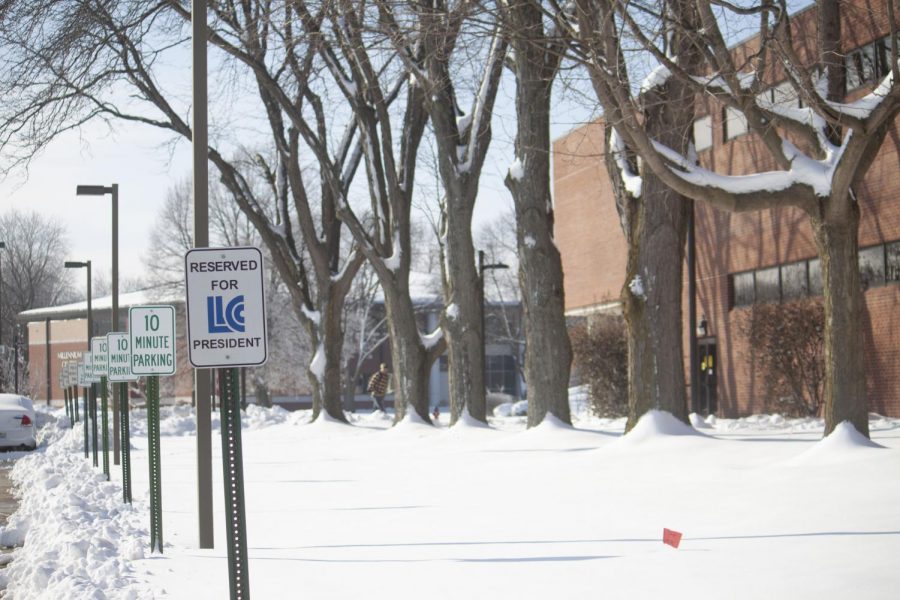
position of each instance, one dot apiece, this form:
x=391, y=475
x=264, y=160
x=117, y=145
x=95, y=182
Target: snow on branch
x=632, y=181
x=816, y=174
x=498, y=51
x=430, y=340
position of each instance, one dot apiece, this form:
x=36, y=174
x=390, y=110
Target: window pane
x=735, y=123
x=784, y=94
x=853, y=64
x=869, y=63
x=743, y=289
x=767, y=285
x=793, y=281
x=703, y=133
x=871, y=266
x=893, y=262
x=816, y=287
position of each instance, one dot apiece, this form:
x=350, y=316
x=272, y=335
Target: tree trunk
x=548, y=356
x=845, y=368
x=464, y=315
x=412, y=363
x=326, y=360
x=651, y=301
x=655, y=226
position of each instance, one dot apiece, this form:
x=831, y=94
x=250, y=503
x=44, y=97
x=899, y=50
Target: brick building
x=743, y=259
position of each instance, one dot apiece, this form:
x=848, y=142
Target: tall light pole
x=202, y=387
x=481, y=269
x=113, y=191
x=2, y=246
x=71, y=264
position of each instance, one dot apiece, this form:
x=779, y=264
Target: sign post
x=119, y=368
x=100, y=353
x=226, y=330
x=91, y=403
x=151, y=331
x=84, y=383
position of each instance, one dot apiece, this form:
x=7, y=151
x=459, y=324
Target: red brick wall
x=587, y=230
x=593, y=248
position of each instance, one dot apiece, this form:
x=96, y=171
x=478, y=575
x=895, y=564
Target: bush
x=600, y=351
x=789, y=343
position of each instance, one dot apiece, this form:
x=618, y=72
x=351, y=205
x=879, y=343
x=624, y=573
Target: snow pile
x=654, y=425
x=79, y=537
x=843, y=444
x=774, y=422
x=698, y=422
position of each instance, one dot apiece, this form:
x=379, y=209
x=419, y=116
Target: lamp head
x=92, y=190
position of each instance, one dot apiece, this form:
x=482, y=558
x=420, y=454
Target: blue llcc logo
x=225, y=319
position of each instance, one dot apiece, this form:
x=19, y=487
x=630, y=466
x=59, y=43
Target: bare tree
x=433, y=39
x=33, y=275
x=370, y=81
x=817, y=155
x=65, y=60
x=538, y=50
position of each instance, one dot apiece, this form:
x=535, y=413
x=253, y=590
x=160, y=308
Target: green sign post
x=100, y=354
x=119, y=372
x=151, y=331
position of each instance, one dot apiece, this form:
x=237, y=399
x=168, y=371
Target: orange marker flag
x=672, y=538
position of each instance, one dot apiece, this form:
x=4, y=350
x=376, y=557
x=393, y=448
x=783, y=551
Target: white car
x=16, y=422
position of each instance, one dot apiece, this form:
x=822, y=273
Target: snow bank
x=655, y=425
x=79, y=537
x=843, y=444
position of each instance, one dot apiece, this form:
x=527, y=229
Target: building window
x=744, y=293
x=783, y=95
x=816, y=285
x=703, y=135
x=501, y=374
x=871, y=266
x=735, y=123
x=767, y=285
x=794, y=281
x=892, y=252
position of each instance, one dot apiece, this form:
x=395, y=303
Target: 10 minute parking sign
x=226, y=311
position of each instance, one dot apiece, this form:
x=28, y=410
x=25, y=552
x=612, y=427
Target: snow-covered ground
x=767, y=509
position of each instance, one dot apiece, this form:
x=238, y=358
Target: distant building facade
x=744, y=259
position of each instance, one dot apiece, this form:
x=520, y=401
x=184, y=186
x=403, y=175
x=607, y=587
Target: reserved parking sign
x=226, y=312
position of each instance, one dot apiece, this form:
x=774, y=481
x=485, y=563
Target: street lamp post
x=2, y=246
x=113, y=191
x=481, y=269
x=71, y=264
x=90, y=331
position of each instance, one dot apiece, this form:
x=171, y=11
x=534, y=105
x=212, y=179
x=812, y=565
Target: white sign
x=83, y=380
x=99, y=350
x=226, y=310
x=119, y=357
x=151, y=337
x=87, y=361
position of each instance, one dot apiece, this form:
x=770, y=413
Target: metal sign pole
x=87, y=451
x=124, y=414
x=156, y=539
x=66, y=400
x=73, y=394
x=94, y=426
x=104, y=403
x=233, y=474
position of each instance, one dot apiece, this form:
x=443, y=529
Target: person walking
x=378, y=386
